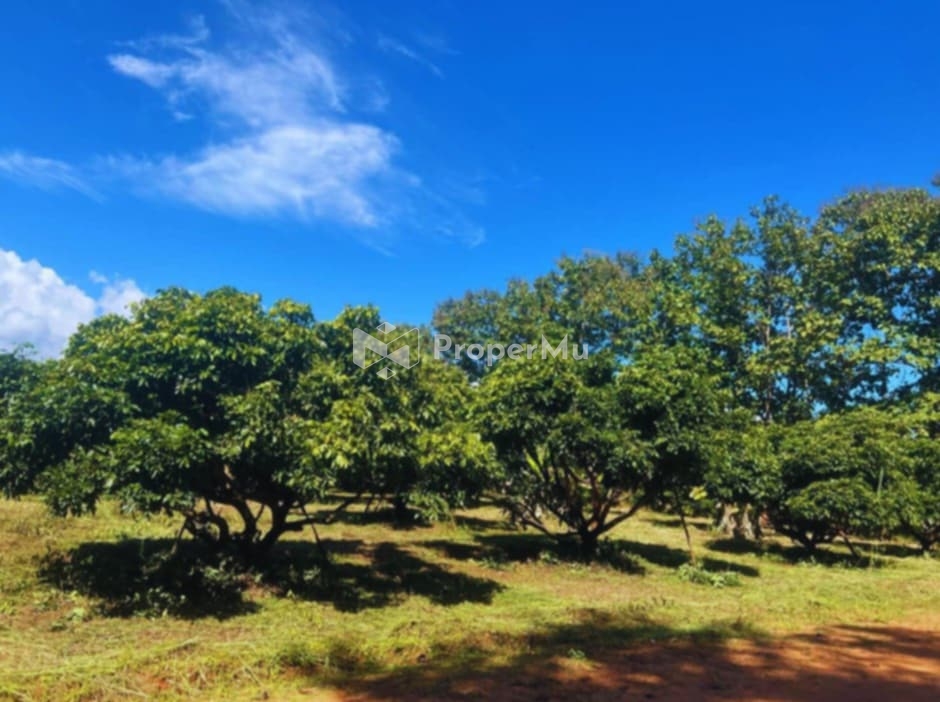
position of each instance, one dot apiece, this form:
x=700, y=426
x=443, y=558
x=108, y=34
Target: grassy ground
x=432, y=603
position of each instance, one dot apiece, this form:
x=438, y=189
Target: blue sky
x=402, y=153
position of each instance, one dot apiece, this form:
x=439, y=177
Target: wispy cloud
x=312, y=170
x=293, y=128
x=277, y=95
x=44, y=173
x=281, y=78
x=394, y=46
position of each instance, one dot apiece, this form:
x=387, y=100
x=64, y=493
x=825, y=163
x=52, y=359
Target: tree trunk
x=688, y=536
x=588, y=541
x=851, y=546
x=400, y=505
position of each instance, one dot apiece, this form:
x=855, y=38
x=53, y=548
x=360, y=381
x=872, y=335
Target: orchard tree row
x=779, y=372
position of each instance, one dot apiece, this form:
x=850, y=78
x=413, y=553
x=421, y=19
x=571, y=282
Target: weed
x=698, y=575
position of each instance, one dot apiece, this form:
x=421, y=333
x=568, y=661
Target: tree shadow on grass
x=522, y=547
x=459, y=551
x=669, y=557
x=525, y=547
x=145, y=576
x=603, y=656
x=894, y=549
x=620, y=554
x=479, y=523
x=372, y=576
x=385, y=516
x=796, y=554
x=737, y=546
x=676, y=523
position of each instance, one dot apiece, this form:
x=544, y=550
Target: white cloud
x=280, y=104
x=309, y=171
x=392, y=45
x=155, y=75
x=289, y=135
x=272, y=76
x=39, y=308
x=45, y=173
x=117, y=295
x=289, y=84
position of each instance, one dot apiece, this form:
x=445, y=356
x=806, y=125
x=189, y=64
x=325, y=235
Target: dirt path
x=856, y=664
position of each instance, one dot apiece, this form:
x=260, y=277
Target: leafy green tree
x=915, y=496
x=193, y=406
x=17, y=371
x=881, y=257
x=741, y=475
x=753, y=298
x=565, y=455
x=835, y=476
x=597, y=301
x=587, y=443
x=56, y=408
x=407, y=439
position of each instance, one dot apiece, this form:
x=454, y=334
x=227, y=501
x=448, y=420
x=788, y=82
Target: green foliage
x=408, y=439
x=778, y=366
x=915, y=495
x=698, y=575
x=64, y=406
x=837, y=474
x=588, y=442
x=556, y=430
x=596, y=300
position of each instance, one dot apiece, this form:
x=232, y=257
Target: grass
x=467, y=595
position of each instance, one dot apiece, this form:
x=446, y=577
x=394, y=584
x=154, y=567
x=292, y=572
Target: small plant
x=576, y=654
x=698, y=575
x=617, y=556
x=297, y=654
x=495, y=562
x=548, y=558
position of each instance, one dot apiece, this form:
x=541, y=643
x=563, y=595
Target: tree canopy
x=786, y=365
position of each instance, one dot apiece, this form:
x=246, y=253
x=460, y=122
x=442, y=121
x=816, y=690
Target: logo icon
x=390, y=343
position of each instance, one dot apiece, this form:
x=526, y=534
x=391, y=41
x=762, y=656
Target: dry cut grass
x=410, y=609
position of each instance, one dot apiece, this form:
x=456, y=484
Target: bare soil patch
x=852, y=663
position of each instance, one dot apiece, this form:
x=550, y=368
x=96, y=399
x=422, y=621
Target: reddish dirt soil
x=856, y=664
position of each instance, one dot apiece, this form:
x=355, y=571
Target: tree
x=742, y=471
x=915, y=496
x=835, y=475
x=882, y=259
x=17, y=370
x=408, y=438
x=565, y=455
x=590, y=442
x=208, y=416
x=56, y=408
x=764, y=298
x=597, y=301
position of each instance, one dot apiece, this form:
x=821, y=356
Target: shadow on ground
x=620, y=554
x=377, y=575
x=872, y=556
x=499, y=549
x=601, y=658
x=676, y=523
x=145, y=576
x=385, y=516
